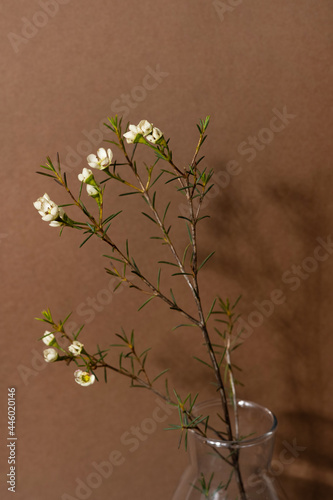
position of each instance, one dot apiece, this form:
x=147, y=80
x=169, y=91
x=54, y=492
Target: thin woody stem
x=148, y=385
x=200, y=141
x=195, y=289
x=232, y=387
x=192, y=284
x=97, y=363
x=156, y=215
x=107, y=239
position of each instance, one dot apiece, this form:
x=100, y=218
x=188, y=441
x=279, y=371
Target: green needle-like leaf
x=85, y=241
x=211, y=310
x=149, y=217
x=183, y=324
x=129, y=193
x=108, y=219
x=166, y=262
x=206, y=260
x=173, y=297
x=46, y=175
x=160, y=375
x=203, y=362
x=146, y=302
x=155, y=180
x=166, y=211
x=158, y=279
x=189, y=233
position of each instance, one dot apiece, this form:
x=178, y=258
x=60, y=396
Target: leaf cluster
x=205, y=486
x=186, y=418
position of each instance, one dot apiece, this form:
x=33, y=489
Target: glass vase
x=228, y=470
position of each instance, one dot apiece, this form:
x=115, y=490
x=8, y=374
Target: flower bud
x=75, y=348
x=92, y=191
x=86, y=175
x=131, y=134
x=50, y=355
x=48, y=337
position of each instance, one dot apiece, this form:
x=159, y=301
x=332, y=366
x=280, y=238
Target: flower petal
x=92, y=160
x=134, y=129
x=145, y=127
x=48, y=217
x=110, y=155
x=104, y=163
x=157, y=133
x=101, y=153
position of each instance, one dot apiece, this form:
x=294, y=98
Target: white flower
x=84, y=378
x=86, y=173
x=155, y=135
x=102, y=160
x=145, y=127
x=48, y=337
x=48, y=209
x=50, y=355
x=92, y=191
x=75, y=348
x=55, y=223
x=132, y=133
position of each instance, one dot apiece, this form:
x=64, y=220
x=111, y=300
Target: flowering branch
x=76, y=352
x=195, y=185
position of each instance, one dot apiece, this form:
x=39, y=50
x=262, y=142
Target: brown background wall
x=59, y=81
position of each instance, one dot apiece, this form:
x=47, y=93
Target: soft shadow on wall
x=275, y=235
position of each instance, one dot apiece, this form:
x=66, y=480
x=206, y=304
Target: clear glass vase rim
x=238, y=444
